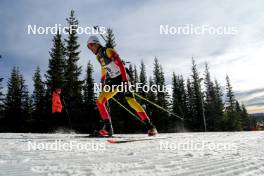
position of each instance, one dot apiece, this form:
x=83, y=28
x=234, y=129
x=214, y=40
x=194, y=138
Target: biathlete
x=114, y=73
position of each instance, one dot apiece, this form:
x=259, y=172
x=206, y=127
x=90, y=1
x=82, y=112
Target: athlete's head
x=93, y=44
x=58, y=90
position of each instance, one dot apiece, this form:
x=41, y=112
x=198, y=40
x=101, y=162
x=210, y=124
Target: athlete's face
x=93, y=47
x=58, y=91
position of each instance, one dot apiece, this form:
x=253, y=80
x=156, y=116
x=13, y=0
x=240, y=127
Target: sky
x=136, y=26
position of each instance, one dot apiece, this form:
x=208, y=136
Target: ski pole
x=158, y=106
x=67, y=113
x=129, y=111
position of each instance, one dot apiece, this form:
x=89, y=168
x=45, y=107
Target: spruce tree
x=17, y=107
x=13, y=100
x=212, y=111
x=131, y=73
x=232, y=117
x=152, y=95
x=38, y=96
x=136, y=79
x=26, y=105
x=55, y=73
x=238, y=113
x=197, y=99
x=178, y=95
x=176, y=104
x=237, y=107
x=110, y=38
x=178, y=99
x=230, y=96
x=190, y=117
x=183, y=97
x=27, y=108
x=73, y=86
x=143, y=78
x=89, y=94
x=159, y=80
x=245, y=118
x=157, y=74
x=89, y=101
x=162, y=95
x=219, y=107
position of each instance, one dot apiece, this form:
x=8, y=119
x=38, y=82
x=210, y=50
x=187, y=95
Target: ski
x=119, y=141
x=91, y=136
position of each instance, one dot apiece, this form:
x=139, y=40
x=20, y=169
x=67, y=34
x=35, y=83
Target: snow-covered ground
x=240, y=153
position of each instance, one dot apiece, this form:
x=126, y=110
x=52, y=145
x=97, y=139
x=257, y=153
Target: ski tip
x=111, y=141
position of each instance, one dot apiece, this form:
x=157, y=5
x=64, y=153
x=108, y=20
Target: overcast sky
x=136, y=25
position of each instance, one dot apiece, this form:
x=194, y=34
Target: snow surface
x=243, y=154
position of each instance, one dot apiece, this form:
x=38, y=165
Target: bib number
x=113, y=70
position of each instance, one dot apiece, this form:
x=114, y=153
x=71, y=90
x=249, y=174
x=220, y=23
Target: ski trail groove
x=135, y=158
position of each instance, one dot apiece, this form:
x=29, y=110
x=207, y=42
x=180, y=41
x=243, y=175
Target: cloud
x=136, y=27
x=250, y=92
x=251, y=98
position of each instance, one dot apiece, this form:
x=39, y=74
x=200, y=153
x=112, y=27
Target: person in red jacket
x=114, y=73
x=56, y=101
x=57, y=118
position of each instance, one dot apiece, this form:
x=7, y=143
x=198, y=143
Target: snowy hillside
x=181, y=154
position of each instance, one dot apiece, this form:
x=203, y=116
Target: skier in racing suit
x=114, y=73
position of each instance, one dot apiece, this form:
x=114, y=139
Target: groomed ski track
x=245, y=157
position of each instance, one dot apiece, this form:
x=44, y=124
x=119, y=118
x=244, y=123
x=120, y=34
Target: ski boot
x=106, y=130
x=152, y=131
